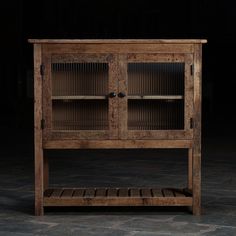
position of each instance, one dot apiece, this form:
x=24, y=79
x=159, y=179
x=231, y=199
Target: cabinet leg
x=38, y=146
x=196, y=183
x=39, y=182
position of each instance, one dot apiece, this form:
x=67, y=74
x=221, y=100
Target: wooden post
x=122, y=101
x=197, y=131
x=38, y=148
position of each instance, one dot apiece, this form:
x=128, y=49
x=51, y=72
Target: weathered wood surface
x=125, y=41
x=158, y=97
x=117, y=53
x=197, y=130
x=106, y=144
x=38, y=148
x=118, y=48
x=117, y=197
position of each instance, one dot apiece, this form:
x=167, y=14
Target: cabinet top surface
x=118, y=41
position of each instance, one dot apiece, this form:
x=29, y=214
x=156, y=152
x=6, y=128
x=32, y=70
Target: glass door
x=80, y=103
x=159, y=100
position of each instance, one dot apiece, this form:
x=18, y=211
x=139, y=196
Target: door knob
x=112, y=94
x=121, y=95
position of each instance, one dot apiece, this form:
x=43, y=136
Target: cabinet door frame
x=63, y=57
x=187, y=132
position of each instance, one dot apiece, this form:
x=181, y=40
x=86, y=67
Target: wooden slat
x=157, y=192
x=48, y=192
x=158, y=97
x=119, y=201
x=67, y=193
x=146, y=193
x=112, y=192
x=78, y=97
x=178, y=193
x=101, y=192
x=134, y=192
x=123, y=192
x=106, y=144
x=168, y=192
x=78, y=193
x=56, y=193
x=89, y=192
x=118, y=197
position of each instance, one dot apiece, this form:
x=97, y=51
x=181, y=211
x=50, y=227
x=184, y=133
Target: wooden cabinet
x=117, y=94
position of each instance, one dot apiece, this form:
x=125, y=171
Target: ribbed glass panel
x=80, y=114
x=156, y=79
x=155, y=114
x=71, y=79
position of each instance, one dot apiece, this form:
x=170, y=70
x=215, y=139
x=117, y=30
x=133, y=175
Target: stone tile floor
x=164, y=168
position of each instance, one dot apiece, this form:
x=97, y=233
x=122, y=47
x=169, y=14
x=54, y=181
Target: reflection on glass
x=155, y=114
x=79, y=79
x=79, y=115
x=156, y=78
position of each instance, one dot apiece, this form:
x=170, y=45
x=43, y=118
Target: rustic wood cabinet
x=117, y=94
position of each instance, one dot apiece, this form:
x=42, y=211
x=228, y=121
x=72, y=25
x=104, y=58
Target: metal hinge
x=42, y=124
x=191, y=69
x=191, y=123
x=42, y=69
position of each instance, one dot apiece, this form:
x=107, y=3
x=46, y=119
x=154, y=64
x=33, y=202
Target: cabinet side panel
x=197, y=130
x=37, y=130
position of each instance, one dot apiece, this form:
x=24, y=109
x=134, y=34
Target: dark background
x=20, y=20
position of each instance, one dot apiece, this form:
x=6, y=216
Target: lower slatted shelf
x=117, y=197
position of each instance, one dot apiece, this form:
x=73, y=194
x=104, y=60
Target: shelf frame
x=117, y=53
x=157, y=97
x=79, y=97
x=117, y=197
